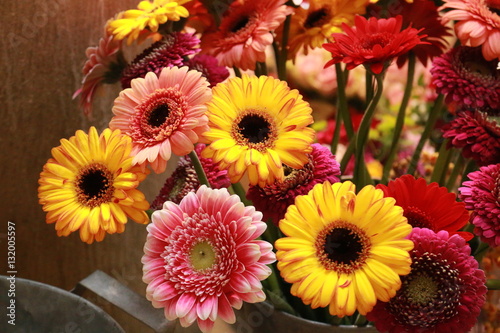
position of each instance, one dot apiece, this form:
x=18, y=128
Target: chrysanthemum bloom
x=273, y=200
x=168, y=52
x=209, y=68
x=444, y=291
x=466, y=78
x=90, y=185
x=343, y=250
x=245, y=32
x=372, y=43
x=256, y=125
x=310, y=28
x=481, y=195
x=147, y=15
x=478, y=24
x=424, y=15
x=104, y=65
x=163, y=114
x=184, y=179
x=476, y=135
x=428, y=205
x=201, y=257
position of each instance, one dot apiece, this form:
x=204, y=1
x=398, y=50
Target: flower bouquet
x=339, y=159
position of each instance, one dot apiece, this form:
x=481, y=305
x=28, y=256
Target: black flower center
x=316, y=18
x=343, y=246
x=239, y=24
x=158, y=115
x=94, y=185
x=493, y=6
x=254, y=128
x=418, y=218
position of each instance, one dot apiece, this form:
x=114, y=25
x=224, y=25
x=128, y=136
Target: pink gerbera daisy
x=273, y=200
x=201, y=257
x=481, y=195
x=466, y=78
x=245, y=32
x=476, y=135
x=372, y=43
x=104, y=64
x=163, y=114
x=444, y=291
x=478, y=24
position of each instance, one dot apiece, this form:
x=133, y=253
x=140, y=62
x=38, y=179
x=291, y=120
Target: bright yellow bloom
x=257, y=124
x=343, y=250
x=90, y=185
x=148, y=14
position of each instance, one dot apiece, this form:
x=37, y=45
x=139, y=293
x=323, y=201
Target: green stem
x=202, y=177
x=284, y=49
x=347, y=155
x=240, y=191
x=237, y=71
x=336, y=132
x=362, y=137
x=493, y=284
x=469, y=167
x=457, y=168
x=429, y=126
x=441, y=166
x=342, y=102
x=400, y=119
x=368, y=86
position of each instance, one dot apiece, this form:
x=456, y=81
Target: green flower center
x=94, y=185
x=203, y=256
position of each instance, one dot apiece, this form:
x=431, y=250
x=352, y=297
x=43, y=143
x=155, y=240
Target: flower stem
x=452, y=180
x=283, y=54
x=368, y=86
x=202, y=177
x=364, y=128
x=441, y=166
x=342, y=102
x=401, y=118
x=429, y=126
x=493, y=284
x=237, y=71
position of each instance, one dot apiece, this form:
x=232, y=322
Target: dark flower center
x=418, y=218
x=254, y=128
x=381, y=39
x=158, y=115
x=493, y=6
x=239, y=24
x=430, y=294
x=316, y=18
x=94, y=185
x=343, y=246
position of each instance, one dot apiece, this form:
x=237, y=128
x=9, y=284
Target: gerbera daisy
x=104, y=64
x=466, y=78
x=372, y=43
x=476, y=135
x=245, y=32
x=273, y=200
x=478, y=24
x=147, y=15
x=428, y=205
x=201, y=258
x=209, y=68
x=311, y=27
x=481, y=195
x=163, y=114
x=184, y=179
x=168, y=52
x=343, y=250
x=444, y=291
x=258, y=124
x=90, y=185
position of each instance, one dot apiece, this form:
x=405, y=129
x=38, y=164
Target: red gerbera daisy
x=481, y=194
x=466, y=78
x=428, y=205
x=273, y=200
x=444, y=291
x=245, y=32
x=476, y=135
x=372, y=43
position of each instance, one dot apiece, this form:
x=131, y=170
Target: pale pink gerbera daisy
x=163, y=114
x=201, y=257
x=104, y=65
x=245, y=32
x=478, y=24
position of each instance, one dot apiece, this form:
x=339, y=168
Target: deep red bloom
x=372, y=43
x=273, y=200
x=478, y=137
x=428, y=205
x=209, y=67
x=444, y=291
x=466, y=78
x=481, y=194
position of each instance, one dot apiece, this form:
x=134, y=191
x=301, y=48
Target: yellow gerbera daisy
x=148, y=14
x=89, y=184
x=258, y=124
x=343, y=250
x=312, y=27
